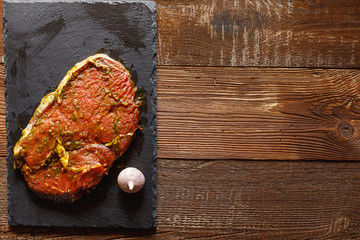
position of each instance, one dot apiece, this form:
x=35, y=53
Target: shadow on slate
x=43, y=40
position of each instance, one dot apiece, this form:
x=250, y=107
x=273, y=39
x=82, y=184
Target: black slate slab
x=43, y=40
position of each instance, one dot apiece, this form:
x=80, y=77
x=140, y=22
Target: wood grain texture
x=281, y=200
x=247, y=113
x=272, y=33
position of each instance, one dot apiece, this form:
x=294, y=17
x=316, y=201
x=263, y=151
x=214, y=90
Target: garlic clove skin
x=131, y=180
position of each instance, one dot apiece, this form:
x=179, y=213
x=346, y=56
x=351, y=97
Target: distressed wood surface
x=277, y=198
x=247, y=113
x=213, y=121
x=276, y=33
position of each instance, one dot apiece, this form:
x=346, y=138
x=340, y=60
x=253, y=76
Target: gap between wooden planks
x=258, y=113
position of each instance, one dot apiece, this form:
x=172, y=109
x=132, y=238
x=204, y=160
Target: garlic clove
x=131, y=180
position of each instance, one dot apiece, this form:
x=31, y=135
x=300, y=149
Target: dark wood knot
x=346, y=130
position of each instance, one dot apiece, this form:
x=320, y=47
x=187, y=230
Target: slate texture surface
x=43, y=40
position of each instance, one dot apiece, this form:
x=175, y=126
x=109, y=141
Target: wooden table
x=258, y=123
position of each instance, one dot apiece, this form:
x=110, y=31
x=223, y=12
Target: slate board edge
x=153, y=126
x=152, y=6
x=10, y=221
x=149, y=4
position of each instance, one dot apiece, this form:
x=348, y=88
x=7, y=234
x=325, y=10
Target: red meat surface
x=78, y=131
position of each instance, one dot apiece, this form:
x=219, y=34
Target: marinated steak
x=79, y=130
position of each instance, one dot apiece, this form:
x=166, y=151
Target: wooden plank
x=257, y=113
x=281, y=200
x=272, y=33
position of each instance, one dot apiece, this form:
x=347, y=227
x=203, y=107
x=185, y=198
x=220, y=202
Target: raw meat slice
x=79, y=130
